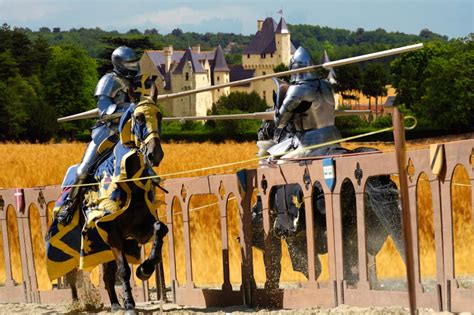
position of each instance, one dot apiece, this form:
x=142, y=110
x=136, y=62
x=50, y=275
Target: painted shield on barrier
x=329, y=173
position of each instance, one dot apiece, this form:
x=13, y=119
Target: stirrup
x=156, y=181
x=66, y=213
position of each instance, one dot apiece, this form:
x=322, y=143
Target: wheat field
x=32, y=165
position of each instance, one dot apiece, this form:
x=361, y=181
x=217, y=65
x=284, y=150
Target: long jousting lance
x=94, y=113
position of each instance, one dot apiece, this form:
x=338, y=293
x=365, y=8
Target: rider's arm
x=105, y=104
x=292, y=100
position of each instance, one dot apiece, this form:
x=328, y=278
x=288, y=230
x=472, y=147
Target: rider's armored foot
x=66, y=214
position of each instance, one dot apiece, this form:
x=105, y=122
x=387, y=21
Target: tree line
x=47, y=74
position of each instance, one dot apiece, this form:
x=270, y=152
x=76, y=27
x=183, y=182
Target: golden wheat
x=31, y=165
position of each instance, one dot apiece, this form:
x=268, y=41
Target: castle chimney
x=259, y=25
x=196, y=48
x=168, y=51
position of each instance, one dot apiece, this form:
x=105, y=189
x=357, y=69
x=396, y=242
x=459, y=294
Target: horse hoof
x=129, y=307
x=129, y=304
x=115, y=307
x=142, y=274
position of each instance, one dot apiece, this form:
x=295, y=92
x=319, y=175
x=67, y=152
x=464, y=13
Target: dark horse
x=118, y=214
x=287, y=217
x=287, y=211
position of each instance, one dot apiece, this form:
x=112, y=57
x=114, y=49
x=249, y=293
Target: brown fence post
x=400, y=151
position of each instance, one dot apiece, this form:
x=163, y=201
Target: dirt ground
x=157, y=308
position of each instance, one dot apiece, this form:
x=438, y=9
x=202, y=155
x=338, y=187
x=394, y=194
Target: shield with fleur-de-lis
x=329, y=172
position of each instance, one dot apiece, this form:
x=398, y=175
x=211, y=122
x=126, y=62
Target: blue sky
x=454, y=18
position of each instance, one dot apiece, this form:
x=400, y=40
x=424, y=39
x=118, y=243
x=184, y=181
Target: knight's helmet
x=125, y=62
x=301, y=59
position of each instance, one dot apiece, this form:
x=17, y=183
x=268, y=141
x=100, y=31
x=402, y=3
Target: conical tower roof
x=219, y=63
x=332, y=75
x=282, y=28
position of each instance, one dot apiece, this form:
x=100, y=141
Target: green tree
x=69, y=83
x=41, y=54
x=349, y=79
x=436, y=83
x=233, y=59
x=8, y=66
x=448, y=100
x=17, y=96
x=4, y=119
x=281, y=68
x=408, y=74
x=42, y=118
x=244, y=102
x=237, y=103
x=374, y=81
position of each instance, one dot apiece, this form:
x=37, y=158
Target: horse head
x=142, y=126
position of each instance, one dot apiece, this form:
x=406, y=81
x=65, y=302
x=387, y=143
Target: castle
x=193, y=69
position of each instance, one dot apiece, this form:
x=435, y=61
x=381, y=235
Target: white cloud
x=170, y=18
x=27, y=11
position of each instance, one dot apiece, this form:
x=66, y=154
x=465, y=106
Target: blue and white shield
x=329, y=173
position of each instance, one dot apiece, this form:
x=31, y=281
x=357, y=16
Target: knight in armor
x=308, y=105
x=113, y=92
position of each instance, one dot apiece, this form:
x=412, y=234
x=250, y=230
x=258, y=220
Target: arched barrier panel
x=447, y=286
x=459, y=182
x=438, y=288
x=184, y=192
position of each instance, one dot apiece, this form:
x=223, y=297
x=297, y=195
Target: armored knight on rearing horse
x=304, y=117
x=115, y=210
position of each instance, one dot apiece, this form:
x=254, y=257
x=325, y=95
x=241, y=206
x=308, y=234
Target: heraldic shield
x=329, y=173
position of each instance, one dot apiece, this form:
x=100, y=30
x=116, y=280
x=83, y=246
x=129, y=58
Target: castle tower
x=283, y=43
x=219, y=73
x=270, y=47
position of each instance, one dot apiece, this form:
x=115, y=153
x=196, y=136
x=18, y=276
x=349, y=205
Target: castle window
x=218, y=79
x=187, y=76
x=248, y=56
x=265, y=96
x=263, y=56
x=271, y=55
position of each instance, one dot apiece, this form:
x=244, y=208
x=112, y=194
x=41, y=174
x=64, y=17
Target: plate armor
x=309, y=104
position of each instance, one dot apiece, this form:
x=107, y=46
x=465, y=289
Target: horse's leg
x=272, y=261
x=124, y=272
x=146, y=269
x=71, y=278
x=110, y=270
x=298, y=254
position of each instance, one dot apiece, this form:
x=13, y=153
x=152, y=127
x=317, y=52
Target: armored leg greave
x=103, y=140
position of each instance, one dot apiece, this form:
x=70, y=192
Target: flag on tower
x=280, y=11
